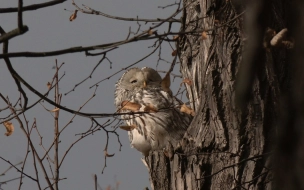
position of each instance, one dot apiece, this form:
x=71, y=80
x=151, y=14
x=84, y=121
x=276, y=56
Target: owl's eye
x=134, y=81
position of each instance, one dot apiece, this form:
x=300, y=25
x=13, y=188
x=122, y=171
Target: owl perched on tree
x=140, y=90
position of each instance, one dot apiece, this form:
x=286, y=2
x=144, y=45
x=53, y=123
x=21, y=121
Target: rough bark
x=226, y=147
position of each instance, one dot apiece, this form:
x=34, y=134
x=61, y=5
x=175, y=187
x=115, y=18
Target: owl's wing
x=168, y=117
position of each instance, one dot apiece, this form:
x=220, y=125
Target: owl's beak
x=145, y=84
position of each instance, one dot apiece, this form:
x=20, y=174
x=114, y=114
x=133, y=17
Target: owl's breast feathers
x=162, y=125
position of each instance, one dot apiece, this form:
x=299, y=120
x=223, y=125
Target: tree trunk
x=226, y=147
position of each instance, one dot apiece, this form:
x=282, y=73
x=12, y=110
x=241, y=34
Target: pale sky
x=50, y=29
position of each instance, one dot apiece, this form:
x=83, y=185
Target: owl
x=162, y=122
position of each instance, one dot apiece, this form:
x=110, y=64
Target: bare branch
x=142, y=36
x=170, y=5
x=4, y=182
x=18, y=169
x=80, y=138
x=123, y=69
x=89, y=10
x=13, y=33
x=68, y=123
x=57, y=98
x=29, y=107
x=35, y=154
x=26, y=154
x=57, y=52
x=20, y=20
x=101, y=53
x=12, y=71
x=32, y=7
x=3, y=173
x=90, y=76
x=174, y=75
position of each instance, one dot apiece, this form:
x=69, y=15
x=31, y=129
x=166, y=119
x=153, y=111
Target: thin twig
x=90, y=76
x=32, y=7
x=125, y=68
x=9, y=168
x=56, y=131
x=18, y=169
x=35, y=154
x=89, y=10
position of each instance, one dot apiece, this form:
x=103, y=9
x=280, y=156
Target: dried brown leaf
x=107, y=154
x=150, y=108
x=187, y=81
x=166, y=83
x=187, y=110
x=54, y=110
x=9, y=128
x=150, y=32
x=48, y=85
x=74, y=15
x=126, y=105
x=175, y=37
x=204, y=35
x=174, y=53
x=128, y=127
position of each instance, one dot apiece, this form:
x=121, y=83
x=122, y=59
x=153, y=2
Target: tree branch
x=20, y=20
x=13, y=33
x=142, y=36
x=32, y=7
x=89, y=10
x=12, y=71
x=17, y=169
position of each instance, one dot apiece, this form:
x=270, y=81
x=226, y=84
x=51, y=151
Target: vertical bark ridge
x=225, y=148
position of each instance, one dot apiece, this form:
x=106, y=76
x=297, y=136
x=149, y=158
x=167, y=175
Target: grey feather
x=153, y=130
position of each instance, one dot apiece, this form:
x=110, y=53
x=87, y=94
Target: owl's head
x=136, y=78
x=133, y=80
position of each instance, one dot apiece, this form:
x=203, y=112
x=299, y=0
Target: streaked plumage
x=153, y=130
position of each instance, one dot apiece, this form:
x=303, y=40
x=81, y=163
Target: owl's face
x=134, y=80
